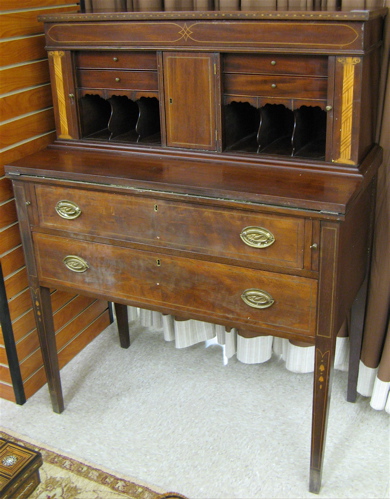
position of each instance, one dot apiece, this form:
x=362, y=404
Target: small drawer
x=130, y=80
x=116, y=60
x=232, y=234
x=275, y=86
x=275, y=64
x=233, y=295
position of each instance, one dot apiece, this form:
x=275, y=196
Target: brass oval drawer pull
x=257, y=298
x=257, y=237
x=75, y=263
x=273, y=85
x=117, y=79
x=68, y=209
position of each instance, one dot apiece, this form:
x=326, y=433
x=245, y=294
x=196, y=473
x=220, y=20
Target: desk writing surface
x=302, y=189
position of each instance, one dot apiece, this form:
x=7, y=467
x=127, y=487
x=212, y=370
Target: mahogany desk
x=215, y=166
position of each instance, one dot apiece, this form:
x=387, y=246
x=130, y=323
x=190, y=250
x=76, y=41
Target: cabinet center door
x=190, y=89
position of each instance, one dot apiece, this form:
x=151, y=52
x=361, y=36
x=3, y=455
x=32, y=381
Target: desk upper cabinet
x=215, y=166
x=243, y=83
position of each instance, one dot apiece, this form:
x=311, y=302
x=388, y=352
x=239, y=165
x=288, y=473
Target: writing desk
x=218, y=167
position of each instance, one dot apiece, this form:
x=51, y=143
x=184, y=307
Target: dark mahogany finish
x=214, y=166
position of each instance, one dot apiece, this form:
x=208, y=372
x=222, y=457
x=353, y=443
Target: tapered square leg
x=123, y=324
x=325, y=344
x=323, y=371
x=45, y=326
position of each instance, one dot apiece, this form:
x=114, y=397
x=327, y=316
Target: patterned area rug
x=63, y=477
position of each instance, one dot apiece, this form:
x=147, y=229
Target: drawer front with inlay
x=117, y=60
x=225, y=293
x=275, y=64
x=134, y=80
x=276, y=86
x=234, y=234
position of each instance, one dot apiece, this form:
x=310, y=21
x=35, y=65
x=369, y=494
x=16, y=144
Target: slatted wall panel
x=27, y=125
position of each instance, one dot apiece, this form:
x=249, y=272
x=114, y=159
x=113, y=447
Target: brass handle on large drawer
x=75, y=263
x=257, y=298
x=257, y=237
x=68, y=209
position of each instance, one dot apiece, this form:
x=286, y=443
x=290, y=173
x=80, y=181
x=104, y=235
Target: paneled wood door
x=190, y=103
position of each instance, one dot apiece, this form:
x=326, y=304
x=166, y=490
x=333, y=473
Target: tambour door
x=190, y=100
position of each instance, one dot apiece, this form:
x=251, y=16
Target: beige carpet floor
x=180, y=420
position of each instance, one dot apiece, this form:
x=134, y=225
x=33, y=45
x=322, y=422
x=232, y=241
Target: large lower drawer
x=229, y=233
x=223, y=293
